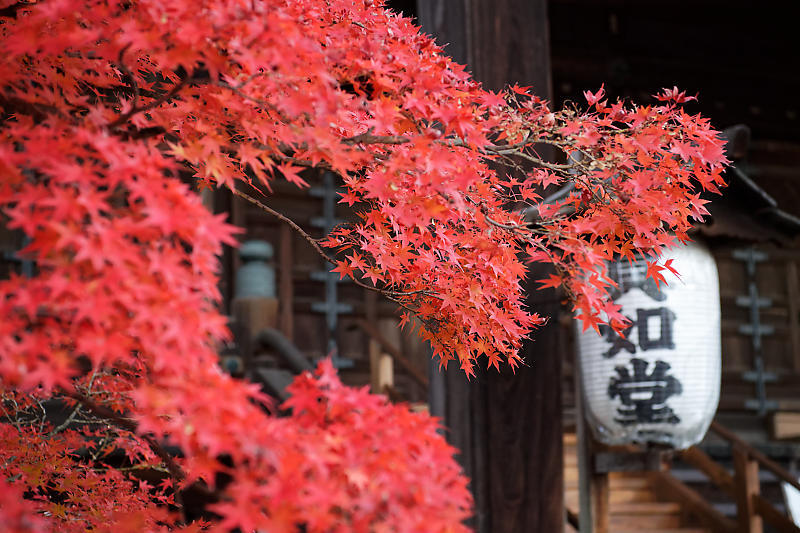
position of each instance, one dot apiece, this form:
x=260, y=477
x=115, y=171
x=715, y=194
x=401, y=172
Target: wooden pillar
x=747, y=487
x=501, y=41
x=599, y=502
x=507, y=425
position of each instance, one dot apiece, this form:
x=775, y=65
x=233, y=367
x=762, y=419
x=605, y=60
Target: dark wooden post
x=507, y=424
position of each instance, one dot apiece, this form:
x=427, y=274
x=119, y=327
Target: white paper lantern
x=660, y=383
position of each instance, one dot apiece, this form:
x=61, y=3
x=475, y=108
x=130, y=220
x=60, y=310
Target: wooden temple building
x=521, y=437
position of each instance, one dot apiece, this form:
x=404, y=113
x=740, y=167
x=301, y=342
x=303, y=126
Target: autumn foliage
x=109, y=108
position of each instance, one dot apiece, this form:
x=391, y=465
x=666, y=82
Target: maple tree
x=106, y=105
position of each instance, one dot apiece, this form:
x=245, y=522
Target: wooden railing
x=743, y=487
x=385, y=346
x=394, y=352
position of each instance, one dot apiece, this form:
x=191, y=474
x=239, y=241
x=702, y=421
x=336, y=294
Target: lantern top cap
x=256, y=250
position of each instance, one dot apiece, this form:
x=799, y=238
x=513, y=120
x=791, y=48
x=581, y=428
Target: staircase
x=634, y=504
x=673, y=500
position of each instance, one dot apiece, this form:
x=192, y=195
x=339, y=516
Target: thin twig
x=176, y=473
x=132, y=80
x=129, y=425
x=283, y=218
x=314, y=244
x=169, y=95
x=70, y=419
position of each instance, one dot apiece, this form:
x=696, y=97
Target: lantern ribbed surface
x=659, y=383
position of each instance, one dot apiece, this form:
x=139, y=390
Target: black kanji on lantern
x=643, y=316
x=644, y=395
x=665, y=318
x=628, y=276
x=618, y=342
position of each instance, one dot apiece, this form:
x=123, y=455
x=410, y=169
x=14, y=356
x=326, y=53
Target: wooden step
x=643, y=522
x=616, y=497
x=669, y=530
x=614, y=482
x=646, y=508
x=630, y=496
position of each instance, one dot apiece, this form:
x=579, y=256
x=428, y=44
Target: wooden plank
x=776, y=519
x=659, y=530
x=285, y=282
x=785, y=425
x=693, y=502
x=747, y=487
x=624, y=496
x=645, y=508
x=625, y=521
x=793, y=301
x=718, y=475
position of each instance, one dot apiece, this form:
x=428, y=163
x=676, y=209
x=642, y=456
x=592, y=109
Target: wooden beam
x=613, y=461
x=763, y=460
x=785, y=425
x=747, y=487
x=718, y=475
x=693, y=502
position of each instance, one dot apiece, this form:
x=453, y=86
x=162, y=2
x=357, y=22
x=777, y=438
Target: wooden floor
x=634, y=505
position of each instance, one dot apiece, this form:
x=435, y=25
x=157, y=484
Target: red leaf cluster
x=107, y=107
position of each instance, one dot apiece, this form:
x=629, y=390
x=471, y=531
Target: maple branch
x=516, y=149
x=314, y=244
x=237, y=89
x=169, y=95
x=369, y=138
x=175, y=470
x=37, y=110
x=132, y=80
x=283, y=218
